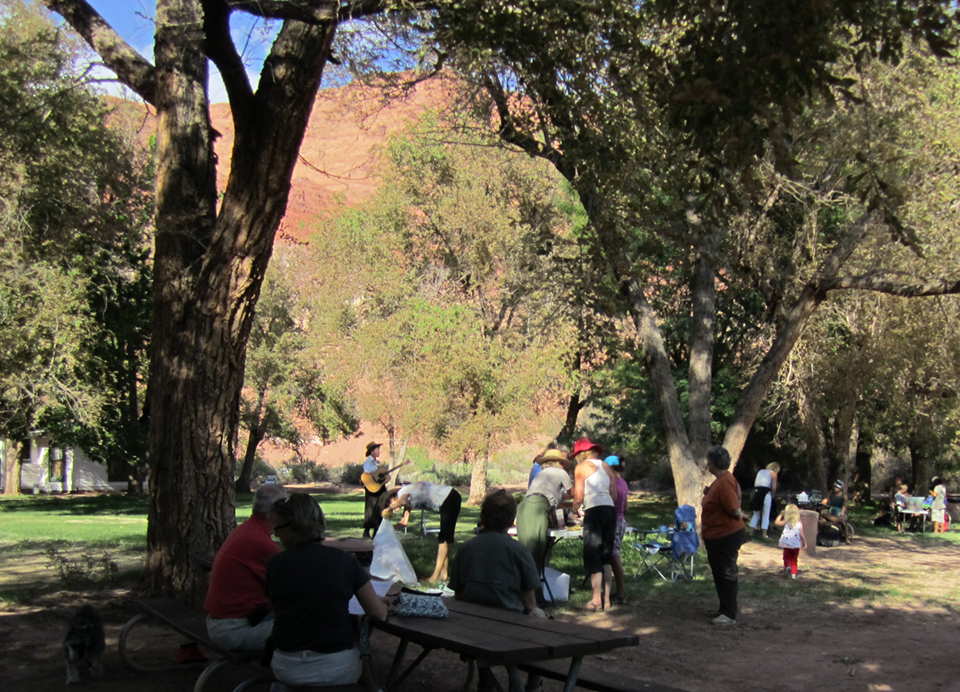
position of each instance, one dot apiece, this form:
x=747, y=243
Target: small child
x=792, y=538
x=899, y=502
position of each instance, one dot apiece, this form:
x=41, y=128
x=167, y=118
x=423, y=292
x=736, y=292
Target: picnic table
x=498, y=638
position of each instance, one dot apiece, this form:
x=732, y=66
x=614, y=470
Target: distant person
x=619, y=596
x=433, y=497
x=764, y=486
x=535, y=468
x=792, y=538
x=550, y=490
x=595, y=489
x=836, y=504
x=310, y=586
x=239, y=616
x=899, y=504
x=496, y=571
x=721, y=521
x=938, y=508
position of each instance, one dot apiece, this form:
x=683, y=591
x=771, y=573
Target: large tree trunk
x=702, y=339
x=208, y=267
x=478, y=478
x=574, y=405
x=689, y=476
x=257, y=433
x=812, y=424
x=11, y=466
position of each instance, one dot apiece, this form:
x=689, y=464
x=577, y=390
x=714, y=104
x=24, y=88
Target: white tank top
x=596, y=487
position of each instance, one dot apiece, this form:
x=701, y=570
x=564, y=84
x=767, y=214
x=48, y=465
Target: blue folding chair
x=669, y=552
x=684, y=543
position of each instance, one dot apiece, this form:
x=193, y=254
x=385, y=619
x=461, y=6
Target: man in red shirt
x=238, y=610
x=721, y=521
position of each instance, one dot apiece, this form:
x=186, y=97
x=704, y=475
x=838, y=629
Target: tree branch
x=221, y=50
x=131, y=68
x=881, y=284
x=309, y=11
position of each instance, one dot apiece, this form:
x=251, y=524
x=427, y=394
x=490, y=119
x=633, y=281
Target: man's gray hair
x=265, y=496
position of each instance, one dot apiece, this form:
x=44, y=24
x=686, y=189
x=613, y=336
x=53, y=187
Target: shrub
x=87, y=570
x=350, y=474
x=454, y=474
x=321, y=474
x=261, y=470
x=301, y=473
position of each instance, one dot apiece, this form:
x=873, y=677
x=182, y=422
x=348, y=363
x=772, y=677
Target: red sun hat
x=583, y=445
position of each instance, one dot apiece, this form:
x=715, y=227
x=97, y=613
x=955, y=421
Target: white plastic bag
x=389, y=559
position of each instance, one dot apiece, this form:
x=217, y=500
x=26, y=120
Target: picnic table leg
x=397, y=663
x=572, y=674
x=471, y=664
x=125, y=655
x=516, y=684
x=396, y=679
x=207, y=672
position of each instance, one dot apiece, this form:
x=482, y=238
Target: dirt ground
x=792, y=636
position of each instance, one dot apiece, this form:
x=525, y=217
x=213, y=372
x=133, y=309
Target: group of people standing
x=598, y=488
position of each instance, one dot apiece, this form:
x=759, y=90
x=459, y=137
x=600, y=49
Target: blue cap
x=612, y=460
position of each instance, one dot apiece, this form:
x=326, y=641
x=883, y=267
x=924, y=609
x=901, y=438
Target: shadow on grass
x=82, y=505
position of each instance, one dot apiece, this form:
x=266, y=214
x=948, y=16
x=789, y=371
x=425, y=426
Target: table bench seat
x=594, y=675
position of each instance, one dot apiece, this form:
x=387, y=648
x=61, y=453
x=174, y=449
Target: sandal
x=619, y=600
x=592, y=607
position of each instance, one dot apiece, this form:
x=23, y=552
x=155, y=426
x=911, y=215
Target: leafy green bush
x=301, y=473
x=350, y=474
x=261, y=470
x=321, y=474
x=454, y=474
x=87, y=570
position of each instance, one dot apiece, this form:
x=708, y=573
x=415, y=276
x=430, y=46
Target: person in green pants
x=548, y=491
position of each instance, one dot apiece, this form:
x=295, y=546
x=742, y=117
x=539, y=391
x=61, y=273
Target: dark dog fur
x=85, y=641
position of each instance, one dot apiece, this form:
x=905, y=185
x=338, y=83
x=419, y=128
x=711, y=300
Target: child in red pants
x=792, y=538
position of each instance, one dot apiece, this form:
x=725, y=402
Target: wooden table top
x=349, y=544
x=502, y=637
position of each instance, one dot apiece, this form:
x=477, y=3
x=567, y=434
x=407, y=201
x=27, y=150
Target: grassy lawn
x=34, y=530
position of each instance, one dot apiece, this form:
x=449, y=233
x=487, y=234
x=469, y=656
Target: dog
x=85, y=641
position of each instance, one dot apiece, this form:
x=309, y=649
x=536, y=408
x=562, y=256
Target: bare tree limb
x=131, y=68
x=882, y=284
x=309, y=11
x=221, y=50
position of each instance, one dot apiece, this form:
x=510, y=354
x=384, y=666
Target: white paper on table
x=380, y=586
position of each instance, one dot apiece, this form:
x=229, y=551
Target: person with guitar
x=374, y=479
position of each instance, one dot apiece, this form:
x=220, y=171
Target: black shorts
x=449, y=512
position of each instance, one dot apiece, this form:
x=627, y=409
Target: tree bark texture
x=11, y=467
x=208, y=264
x=702, y=339
x=478, y=478
x=812, y=423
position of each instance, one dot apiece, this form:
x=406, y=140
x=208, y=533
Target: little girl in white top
x=792, y=538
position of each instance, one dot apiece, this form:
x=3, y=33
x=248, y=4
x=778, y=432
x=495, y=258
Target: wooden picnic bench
x=595, y=676
x=192, y=624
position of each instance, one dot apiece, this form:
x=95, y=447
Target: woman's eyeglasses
x=281, y=526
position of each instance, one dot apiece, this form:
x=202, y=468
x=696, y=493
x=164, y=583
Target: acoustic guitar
x=374, y=481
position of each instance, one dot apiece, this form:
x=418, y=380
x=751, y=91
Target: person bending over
x=432, y=497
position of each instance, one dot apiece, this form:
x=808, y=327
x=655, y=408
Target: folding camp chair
x=668, y=551
x=654, y=548
x=684, y=543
